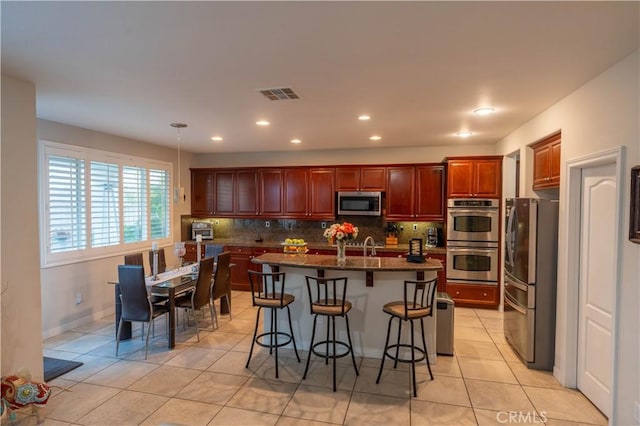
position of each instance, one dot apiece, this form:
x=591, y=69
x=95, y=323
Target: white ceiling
x=418, y=68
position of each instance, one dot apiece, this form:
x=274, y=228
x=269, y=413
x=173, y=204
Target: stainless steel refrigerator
x=530, y=265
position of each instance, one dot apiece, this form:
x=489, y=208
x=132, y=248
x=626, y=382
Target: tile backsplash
x=248, y=230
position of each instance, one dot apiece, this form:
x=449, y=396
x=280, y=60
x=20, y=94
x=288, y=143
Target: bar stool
x=417, y=304
x=267, y=291
x=330, y=303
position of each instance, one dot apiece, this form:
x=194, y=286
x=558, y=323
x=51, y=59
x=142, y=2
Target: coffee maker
x=432, y=236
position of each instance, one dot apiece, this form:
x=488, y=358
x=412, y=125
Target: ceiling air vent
x=279, y=93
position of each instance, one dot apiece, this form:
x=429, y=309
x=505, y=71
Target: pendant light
x=178, y=191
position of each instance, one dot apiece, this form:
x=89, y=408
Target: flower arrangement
x=339, y=232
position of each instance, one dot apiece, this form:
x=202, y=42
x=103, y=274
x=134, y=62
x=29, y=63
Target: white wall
x=61, y=284
x=20, y=307
x=602, y=114
x=434, y=154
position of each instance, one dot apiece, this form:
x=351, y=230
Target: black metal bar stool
x=417, y=304
x=267, y=291
x=329, y=302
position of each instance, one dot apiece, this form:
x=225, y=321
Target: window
x=96, y=203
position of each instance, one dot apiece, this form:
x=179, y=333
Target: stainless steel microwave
x=360, y=203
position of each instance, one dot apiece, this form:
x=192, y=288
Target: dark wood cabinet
x=191, y=253
x=400, y=192
x=309, y=193
x=296, y=182
x=415, y=192
x=241, y=259
x=271, y=193
x=429, y=200
x=474, y=295
x=442, y=274
x=246, y=193
x=224, y=184
x=474, y=177
x=546, y=163
x=321, y=197
x=202, y=192
x=367, y=179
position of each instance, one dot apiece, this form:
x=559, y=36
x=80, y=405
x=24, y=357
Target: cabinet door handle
x=457, y=293
x=484, y=294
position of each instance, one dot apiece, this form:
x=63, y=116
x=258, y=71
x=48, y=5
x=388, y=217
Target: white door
x=597, y=284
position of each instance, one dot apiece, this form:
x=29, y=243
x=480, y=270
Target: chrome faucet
x=373, y=246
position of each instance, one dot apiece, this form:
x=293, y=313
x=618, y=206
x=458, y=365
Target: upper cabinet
x=246, y=193
x=202, y=192
x=271, y=185
x=415, y=192
x=322, y=198
x=368, y=179
x=474, y=177
x=546, y=163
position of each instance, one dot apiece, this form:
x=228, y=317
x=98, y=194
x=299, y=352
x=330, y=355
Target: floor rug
x=54, y=367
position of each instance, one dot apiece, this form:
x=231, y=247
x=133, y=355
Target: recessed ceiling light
x=464, y=134
x=375, y=138
x=364, y=117
x=262, y=123
x=216, y=138
x=296, y=141
x=484, y=111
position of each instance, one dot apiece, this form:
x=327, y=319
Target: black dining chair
x=136, y=302
x=201, y=296
x=221, y=285
x=162, y=263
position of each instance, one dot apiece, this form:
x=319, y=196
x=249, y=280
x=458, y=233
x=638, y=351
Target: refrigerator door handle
x=514, y=304
x=509, y=235
x=514, y=281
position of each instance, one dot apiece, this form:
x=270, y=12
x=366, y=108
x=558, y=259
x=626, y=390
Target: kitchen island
x=372, y=282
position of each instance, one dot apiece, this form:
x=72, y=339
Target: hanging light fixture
x=178, y=191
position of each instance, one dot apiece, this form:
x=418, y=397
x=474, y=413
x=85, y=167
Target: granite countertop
x=400, y=248
x=353, y=263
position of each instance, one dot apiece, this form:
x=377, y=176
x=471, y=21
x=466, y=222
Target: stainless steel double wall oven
x=473, y=232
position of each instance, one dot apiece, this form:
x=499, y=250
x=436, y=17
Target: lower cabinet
x=241, y=259
x=442, y=274
x=472, y=295
x=192, y=252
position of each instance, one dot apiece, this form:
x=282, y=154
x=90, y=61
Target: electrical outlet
x=216, y=222
x=636, y=411
x=78, y=298
x=401, y=228
x=323, y=225
x=267, y=224
x=415, y=226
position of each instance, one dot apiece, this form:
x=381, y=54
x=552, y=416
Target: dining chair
x=162, y=264
x=221, y=285
x=201, y=296
x=134, y=259
x=136, y=302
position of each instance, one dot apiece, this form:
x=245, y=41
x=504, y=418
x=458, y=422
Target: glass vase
x=341, y=254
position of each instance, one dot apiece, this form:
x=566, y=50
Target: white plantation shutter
x=134, y=203
x=66, y=204
x=105, y=204
x=159, y=189
x=95, y=203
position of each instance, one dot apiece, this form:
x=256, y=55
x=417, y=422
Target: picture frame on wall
x=634, y=214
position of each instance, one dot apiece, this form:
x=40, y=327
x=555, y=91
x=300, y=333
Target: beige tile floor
x=206, y=382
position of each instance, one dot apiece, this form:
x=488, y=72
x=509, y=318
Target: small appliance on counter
x=415, y=251
x=432, y=237
x=204, y=229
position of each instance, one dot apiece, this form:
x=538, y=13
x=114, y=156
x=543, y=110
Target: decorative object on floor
x=338, y=234
x=54, y=367
x=19, y=391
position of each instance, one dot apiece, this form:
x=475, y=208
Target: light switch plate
x=267, y=224
x=323, y=225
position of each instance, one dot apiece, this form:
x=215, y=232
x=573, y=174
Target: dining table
x=169, y=284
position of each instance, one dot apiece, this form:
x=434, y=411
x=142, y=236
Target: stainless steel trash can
x=444, y=324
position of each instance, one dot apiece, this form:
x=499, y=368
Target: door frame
x=567, y=311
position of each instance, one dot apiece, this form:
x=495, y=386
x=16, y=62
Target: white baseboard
x=77, y=323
